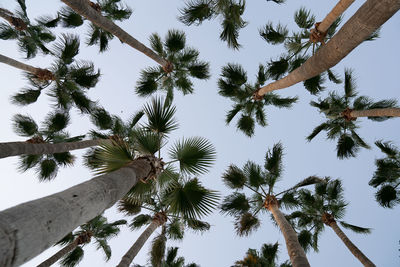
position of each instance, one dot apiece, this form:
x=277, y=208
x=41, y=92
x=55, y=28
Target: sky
x=203, y=114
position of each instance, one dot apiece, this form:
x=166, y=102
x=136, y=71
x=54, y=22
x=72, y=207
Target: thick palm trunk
x=295, y=251
x=42, y=74
x=24, y=148
x=82, y=8
x=30, y=228
x=336, y=12
x=368, y=18
x=353, y=249
x=61, y=253
x=377, y=112
x=135, y=248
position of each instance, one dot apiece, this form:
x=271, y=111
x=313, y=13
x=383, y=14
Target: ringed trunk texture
x=30, y=228
x=368, y=18
x=336, y=12
x=61, y=253
x=24, y=148
x=84, y=9
x=295, y=251
x=135, y=248
x=353, y=249
x=378, y=112
x=17, y=64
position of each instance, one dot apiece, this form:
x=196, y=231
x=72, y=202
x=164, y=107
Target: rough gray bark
x=24, y=148
x=336, y=12
x=17, y=64
x=296, y=253
x=30, y=228
x=353, y=249
x=82, y=8
x=135, y=248
x=378, y=112
x=368, y=18
x=59, y=254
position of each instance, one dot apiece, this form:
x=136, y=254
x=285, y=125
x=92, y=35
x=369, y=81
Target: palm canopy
x=69, y=80
x=234, y=85
x=340, y=125
x=97, y=228
x=298, y=49
x=31, y=37
x=183, y=64
x=325, y=202
x=53, y=131
x=230, y=11
x=261, y=183
x=111, y=9
x=387, y=175
x=266, y=257
x=171, y=259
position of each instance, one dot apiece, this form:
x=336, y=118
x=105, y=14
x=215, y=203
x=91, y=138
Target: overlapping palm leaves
x=266, y=257
x=71, y=79
x=97, y=228
x=45, y=165
x=183, y=61
x=260, y=182
x=234, y=85
x=169, y=258
x=111, y=9
x=387, y=176
x=32, y=37
x=341, y=127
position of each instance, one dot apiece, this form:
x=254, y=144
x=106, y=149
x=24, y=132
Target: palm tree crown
x=266, y=257
x=234, y=85
x=340, y=124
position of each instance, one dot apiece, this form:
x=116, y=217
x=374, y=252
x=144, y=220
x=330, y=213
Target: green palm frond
x=387, y=196
x=102, y=244
x=314, y=84
x=233, y=112
x=73, y=258
x=277, y=68
x=81, y=101
x=175, y=230
x=197, y=225
x=24, y=125
x=235, y=204
x=304, y=19
x=305, y=240
x=195, y=155
x=98, y=36
x=199, y=70
x=26, y=96
x=234, y=177
x=147, y=83
x=280, y=102
x=67, y=48
x=47, y=170
x=246, y=124
x=388, y=148
x=196, y=11
x=69, y=18
x=175, y=41
x=101, y=118
x=69, y=238
x=147, y=143
x=64, y=159
x=317, y=130
x=139, y=221
x=84, y=74
x=273, y=160
x=160, y=116
x=254, y=174
x=270, y=252
x=332, y=76
x=349, y=84
x=27, y=162
x=246, y=223
x=232, y=22
x=346, y=147
x=56, y=121
x=234, y=74
x=128, y=207
x=360, y=142
x=274, y=35
x=356, y=229
x=158, y=247
x=289, y=200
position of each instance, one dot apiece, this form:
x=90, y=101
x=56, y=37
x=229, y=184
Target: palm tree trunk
x=336, y=12
x=295, y=251
x=135, y=248
x=24, y=148
x=30, y=228
x=353, y=249
x=61, y=253
x=82, y=8
x=368, y=18
x=377, y=112
x=17, y=64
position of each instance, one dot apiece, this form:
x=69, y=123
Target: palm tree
x=267, y=257
x=38, y=73
x=386, y=176
x=170, y=259
x=31, y=37
x=261, y=183
x=368, y=18
x=342, y=111
x=231, y=11
x=185, y=64
x=121, y=168
x=111, y=9
x=326, y=205
x=233, y=85
x=73, y=253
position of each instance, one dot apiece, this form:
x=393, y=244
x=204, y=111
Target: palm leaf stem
x=255, y=191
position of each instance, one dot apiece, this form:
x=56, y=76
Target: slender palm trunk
x=377, y=112
x=295, y=251
x=353, y=249
x=18, y=23
x=61, y=253
x=135, y=248
x=83, y=8
x=368, y=18
x=30, y=228
x=17, y=64
x=24, y=148
x=336, y=12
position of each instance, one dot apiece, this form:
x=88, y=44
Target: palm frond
x=235, y=204
x=139, y=221
x=314, y=84
x=160, y=116
x=273, y=160
x=197, y=225
x=24, y=125
x=349, y=84
x=84, y=74
x=112, y=156
x=175, y=230
x=146, y=84
x=317, y=130
x=234, y=74
x=56, y=121
x=25, y=97
x=67, y=48
x=277, y=68
x=69, y=238
x=175, y=40
x=359, y=140
x=232, y=22
x=234, y=177
x=356, y=229
x=305, y=240
x=157, y=250
x=69, y=18
x=387, y=196
x=246, y=124
x=388, y=148
x=346, y=147
x=304, y=19
x=73, y=258
x=146, y=142
x=274, y=35
x=196, y=11
x=254, y=174
x=246, y=223
x=27, y=162
x=288, y=200
x=102, y=244
x=333, y=77
x=199, y=70
x=64, y=159
x=47, y=170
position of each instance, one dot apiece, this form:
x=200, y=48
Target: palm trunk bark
x=336, y=12
x=30, y=228
x=368, y=18
x=295, y=251
x=135, y=248
x=377, y=112
x=24, y=148
x=19, y=65
x=82, y=8
x=18, y=23
x=61, y=253
x=353, y=249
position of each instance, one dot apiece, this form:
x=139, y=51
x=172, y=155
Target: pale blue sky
x=203, y=114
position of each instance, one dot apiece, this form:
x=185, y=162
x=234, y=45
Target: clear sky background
x=203, y=114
